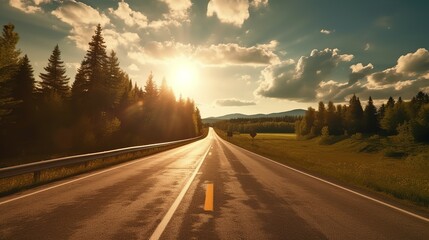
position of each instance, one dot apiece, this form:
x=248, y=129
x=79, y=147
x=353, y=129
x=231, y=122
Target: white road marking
x=335, y=185
x=163, y=224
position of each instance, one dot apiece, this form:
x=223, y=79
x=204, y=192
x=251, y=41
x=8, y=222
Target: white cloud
x=367, y=47
x=327, y=32
x=233, y=102
x=414, y=63
x=177, y=15
x=300, y=81
x=73, y=65
x=114, y=39
x=133, y=67
x=229, y=11
x=259, y=3
x=130, y=17
x=234, y=54
x=82, y=18
x=178, y=8
x=214, y=55
x=161, y=52
x=406, y=78
x=28, y=6
x=359, y=71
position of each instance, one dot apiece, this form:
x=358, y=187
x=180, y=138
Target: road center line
x=208, y=204
x=163, y=224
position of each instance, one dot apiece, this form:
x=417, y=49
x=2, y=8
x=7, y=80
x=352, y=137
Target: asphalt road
x=208, y=189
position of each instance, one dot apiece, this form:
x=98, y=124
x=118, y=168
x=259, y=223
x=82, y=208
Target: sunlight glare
x=184, y=77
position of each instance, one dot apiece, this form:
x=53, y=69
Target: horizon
x=230, y=61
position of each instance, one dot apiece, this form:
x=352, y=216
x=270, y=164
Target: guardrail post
x=36, y=176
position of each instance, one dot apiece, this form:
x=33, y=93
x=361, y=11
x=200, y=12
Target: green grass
x=379, y=164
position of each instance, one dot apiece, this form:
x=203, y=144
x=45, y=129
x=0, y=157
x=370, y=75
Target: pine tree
x=21, y=131
x=390, y=103
x=9, y=62
x=150, y=89
x=354, y=115
x=307, y=123
x=23, y=82
x=333, y=120
x=89, y=86
x=55, y=81
x=394, y=117
x=320, y=118
x=114, y=80
x=370, y=116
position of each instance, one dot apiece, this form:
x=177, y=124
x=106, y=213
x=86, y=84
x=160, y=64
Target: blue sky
x=248, y=56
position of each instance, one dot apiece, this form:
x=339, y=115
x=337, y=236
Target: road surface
x=208, y=189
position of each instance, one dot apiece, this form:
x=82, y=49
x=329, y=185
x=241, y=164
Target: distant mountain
x=295, y=112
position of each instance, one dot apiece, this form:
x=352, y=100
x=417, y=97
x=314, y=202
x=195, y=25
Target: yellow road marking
x=208, y=204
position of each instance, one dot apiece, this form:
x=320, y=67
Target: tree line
x=391, y=118
x=284, y=124
x=101, y=109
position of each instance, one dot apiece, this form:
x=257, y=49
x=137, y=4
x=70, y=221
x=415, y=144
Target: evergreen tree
x=394, y=117
x=390, y=103
x=333, y=121
x=9, y=62
x=21, y=129
x=320, y=118
x=354, y=116
x=150, y=89
x=115, y=82
x=55, y=81
x=307, y=123
x=90, y=78
x=370, y=116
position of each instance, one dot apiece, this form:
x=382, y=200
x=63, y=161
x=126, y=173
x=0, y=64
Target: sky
x=246, y=56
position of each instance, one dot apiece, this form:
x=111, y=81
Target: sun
x=184, y=77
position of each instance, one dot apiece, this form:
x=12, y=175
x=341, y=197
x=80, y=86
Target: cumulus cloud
x=177, y=15
x=299, y=81
x=233, y=102
x=359, y=71
x=82, y=18
x=114, y=39
x=178, y=8
x=408, y=76
x=229, y=11
x=130, y=17
x=414, y=63
x=28, y=6
x=411, y=66
x=160, y=52
x=327, y=32
x=234, y=54
x=259, y=3
x=219, y=55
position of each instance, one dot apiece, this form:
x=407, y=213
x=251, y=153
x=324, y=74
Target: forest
x=284, y=124
x=408, y=119
x=101, y=109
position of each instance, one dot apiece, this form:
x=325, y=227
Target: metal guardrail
x=36, y=167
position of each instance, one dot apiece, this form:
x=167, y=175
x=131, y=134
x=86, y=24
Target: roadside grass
x=380, y=164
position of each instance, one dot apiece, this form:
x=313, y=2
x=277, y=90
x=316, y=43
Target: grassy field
x=362, y=162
